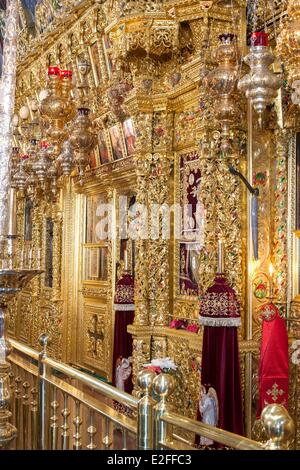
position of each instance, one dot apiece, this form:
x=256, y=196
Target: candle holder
x=271, y=297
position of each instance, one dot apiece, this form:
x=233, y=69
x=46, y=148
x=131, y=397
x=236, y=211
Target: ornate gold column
x=141, y=112
x=221, y=196
x=281, y=217
x=141, y=288
x=153, y=165
x=159, y=203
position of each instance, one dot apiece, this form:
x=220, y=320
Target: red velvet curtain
x=221, y=370
x=124, y=316
x=122, y=343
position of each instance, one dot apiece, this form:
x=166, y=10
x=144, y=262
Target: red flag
x=274, y=360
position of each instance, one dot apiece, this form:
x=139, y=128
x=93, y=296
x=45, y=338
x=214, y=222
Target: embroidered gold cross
x=275, y=392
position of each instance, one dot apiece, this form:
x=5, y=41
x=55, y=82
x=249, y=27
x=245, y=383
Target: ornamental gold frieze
x=50, y=20
x=94, y=292
x=64, y=45
x=148, y=34
x=114, y=173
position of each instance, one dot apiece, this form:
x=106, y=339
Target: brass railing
x=52, y=402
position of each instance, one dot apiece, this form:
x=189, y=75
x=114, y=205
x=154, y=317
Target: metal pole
x=7, y=98
x=43, y=392
x=145, y=411
x=163, y=386
x=248, y=356
x=7, y=95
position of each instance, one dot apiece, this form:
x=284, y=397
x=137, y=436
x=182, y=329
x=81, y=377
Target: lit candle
x=221, y=258
x=271, y=270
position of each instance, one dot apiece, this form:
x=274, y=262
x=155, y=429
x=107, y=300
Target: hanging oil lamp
x=66, y=159
x=82, y=139
x=20, y=177
x=41, y=165
x=222, y=81
x=57, y=107
x=260, y=84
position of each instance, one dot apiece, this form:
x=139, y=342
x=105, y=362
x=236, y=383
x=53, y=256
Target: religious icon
x=28, y=220
x=209, y=410
x=129, y=135
x=44, y=14
x=95, y=61
x=116, y=142
x=93, y=159
x=103, y=149
x=96, y=215
x=193, y=213
x=189, y=268
x=94, y=264
x=108, y=55
x=103, y=264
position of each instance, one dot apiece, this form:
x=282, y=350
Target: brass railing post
x=145, y=411
x=163, y=386
x=17, y=409
x=43, y=393
x=25, y=415
x=279, y=427
x=34, y=419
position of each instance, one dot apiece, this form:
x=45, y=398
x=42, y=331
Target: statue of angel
x=123, y=372
x=209, y=410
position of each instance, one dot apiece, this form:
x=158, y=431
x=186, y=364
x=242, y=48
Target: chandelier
x=260, y=84
x=58, y=140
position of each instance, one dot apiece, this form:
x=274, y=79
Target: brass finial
x=279, y=427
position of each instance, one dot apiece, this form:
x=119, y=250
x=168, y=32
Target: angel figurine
x=209, y=410
x=123, y=372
